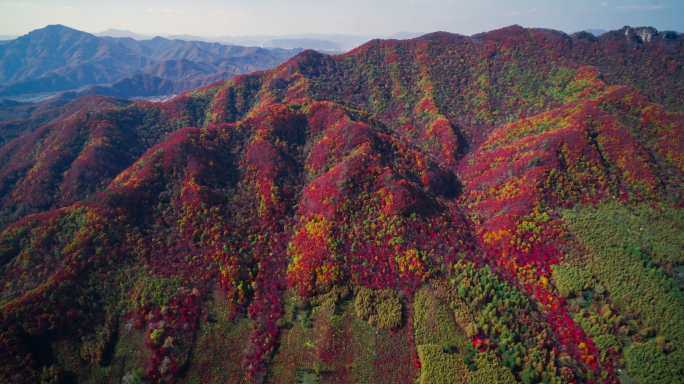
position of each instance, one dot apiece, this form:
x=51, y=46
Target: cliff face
x=412, y=210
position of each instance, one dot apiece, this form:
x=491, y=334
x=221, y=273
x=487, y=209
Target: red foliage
x=303, y=193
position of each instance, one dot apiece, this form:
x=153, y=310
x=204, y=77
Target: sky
x=358, y=17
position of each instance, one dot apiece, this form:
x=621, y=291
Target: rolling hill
x=503, y=207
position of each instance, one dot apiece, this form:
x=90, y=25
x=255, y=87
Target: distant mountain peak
x=54, y=32
x=56, y=28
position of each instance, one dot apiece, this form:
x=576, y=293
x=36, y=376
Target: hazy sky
x=363, y=17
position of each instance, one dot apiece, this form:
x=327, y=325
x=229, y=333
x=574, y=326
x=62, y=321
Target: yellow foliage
x=491, y=237
x=411, y=261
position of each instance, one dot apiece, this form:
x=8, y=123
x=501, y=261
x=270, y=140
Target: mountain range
x=331, y=43
x=496, y=208
x=57, y=58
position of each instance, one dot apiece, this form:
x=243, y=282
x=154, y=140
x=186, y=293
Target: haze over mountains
x=57, y=58
x=324, y=42
x=330, y=43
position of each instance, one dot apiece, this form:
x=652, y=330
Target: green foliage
x=656, y=233
x=489, y=371
x=625, y=244
x=307, y=376
x=388, y=313
x=592, y=323
x=607, y=342
x=559, y=79
x=74, y=220
x=571, y=280
x=337, y=346
x=433, y=321
x=501, y=314
x=381, y=308
x=440, y=344
x=133, y=377
x=153, y=290
x=38, y=249
x=363, y=303
x=647, y=364
x=444, y=355
x=332, y=298
x=218, y=352
x=440, y=366
x=126, y=361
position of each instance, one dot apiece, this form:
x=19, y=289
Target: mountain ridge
x=59, y=58
x=412, y=210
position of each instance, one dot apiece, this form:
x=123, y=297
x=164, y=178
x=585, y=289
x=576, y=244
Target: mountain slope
x=421, y=210
x=58, y=58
